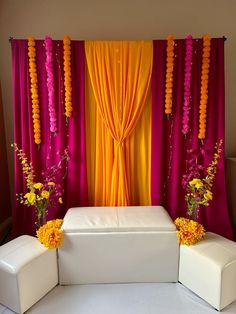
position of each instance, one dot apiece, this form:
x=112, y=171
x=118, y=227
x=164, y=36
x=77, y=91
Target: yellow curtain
x=120, y=74
x=100, y=155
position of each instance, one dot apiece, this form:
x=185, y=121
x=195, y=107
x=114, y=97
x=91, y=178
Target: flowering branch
x=199, y=190
x=41, y=194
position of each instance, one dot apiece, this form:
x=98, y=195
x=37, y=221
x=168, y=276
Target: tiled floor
x=160, y=298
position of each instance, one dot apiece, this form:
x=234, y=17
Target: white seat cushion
x=115, y=219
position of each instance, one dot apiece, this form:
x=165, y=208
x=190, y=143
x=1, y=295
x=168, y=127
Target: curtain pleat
x=71, y=135
x=170, y=150
x=104, y=156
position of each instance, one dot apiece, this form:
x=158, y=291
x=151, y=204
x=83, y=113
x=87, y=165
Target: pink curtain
x=71, y=135
x=169, y=147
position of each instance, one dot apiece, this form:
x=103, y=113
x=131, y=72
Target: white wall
x=120, y=19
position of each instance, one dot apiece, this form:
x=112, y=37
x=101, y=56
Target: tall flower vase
x=193, y=213
x=40, y=217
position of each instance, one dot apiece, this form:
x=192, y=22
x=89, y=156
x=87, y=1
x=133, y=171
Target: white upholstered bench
x=27, y=272
x=208, y=268
x=118, y=245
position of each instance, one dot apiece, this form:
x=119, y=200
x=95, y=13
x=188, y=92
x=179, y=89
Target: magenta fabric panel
x=169, y=147
x=71, y=135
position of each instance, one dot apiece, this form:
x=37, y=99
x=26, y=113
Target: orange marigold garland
x=204, y=86
x=189, y=231
x=34, y=89
x=67, y=76
x=169, y=74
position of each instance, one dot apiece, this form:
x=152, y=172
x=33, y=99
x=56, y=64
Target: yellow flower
x=45, y=194
x=60, y=200
x=23, y=161
x=208, y=195
x=38, y=185
x=56, y=223
x=31, y=197
x=50, y=234
x=51, y=183
x=196, y=182
x=189, y=231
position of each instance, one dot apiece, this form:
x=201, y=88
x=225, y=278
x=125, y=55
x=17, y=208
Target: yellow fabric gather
x=120, y=74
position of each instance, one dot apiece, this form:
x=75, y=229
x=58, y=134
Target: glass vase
x=193, y=213
x=41, y=217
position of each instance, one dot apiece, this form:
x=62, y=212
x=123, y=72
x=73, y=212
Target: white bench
x=27, y=272
x=118, y=245
x=115, y=245
x=208, y=268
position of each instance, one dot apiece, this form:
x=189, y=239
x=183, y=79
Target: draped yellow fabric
x=120, y=74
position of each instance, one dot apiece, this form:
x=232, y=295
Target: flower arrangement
x=50, y=84
x=44, y=193
x=67, y=76
x=50, y=234
x=204, y=86
x=169, y=74
x=187, y=83
x=34, y=90
x=189, y=231
x=199, y=190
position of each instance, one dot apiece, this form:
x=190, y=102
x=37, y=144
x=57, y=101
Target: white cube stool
x=118, y=245
x=27, y=272
x=208, y=268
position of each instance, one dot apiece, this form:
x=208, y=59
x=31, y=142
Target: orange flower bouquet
x=189, y=231
x=50, y=234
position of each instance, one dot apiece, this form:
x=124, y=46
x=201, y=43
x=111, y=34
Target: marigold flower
x=67, y=76
x=31, y=197
x=189, y=231
x=50, y=234
x=38, y=185
x=45, y=194
x=196, y=182
x=51, y=183
x=34, y=85
x=208, y=195
x=204, y=87
x=169, y=73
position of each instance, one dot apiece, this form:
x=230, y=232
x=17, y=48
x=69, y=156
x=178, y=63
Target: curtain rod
x=11, y=38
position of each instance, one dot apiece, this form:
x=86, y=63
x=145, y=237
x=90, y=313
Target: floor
x=157, y=298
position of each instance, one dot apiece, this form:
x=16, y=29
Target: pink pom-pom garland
x=50, y=84
x=187, y=83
